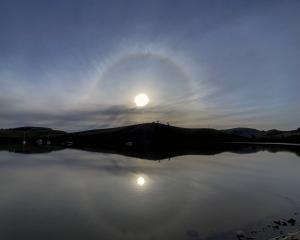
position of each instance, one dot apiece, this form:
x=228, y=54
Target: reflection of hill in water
x=158, y=153
x=153, y=141
x=29, y=148
x=152, y=152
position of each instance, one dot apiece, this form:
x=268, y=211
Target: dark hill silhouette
x=151, y=134
x=16, y=135
x=148, y=134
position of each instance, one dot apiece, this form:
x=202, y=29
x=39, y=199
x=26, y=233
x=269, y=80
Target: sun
x=140, y=181
x=141, y=100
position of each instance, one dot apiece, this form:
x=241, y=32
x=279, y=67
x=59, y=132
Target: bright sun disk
x=141, y=100
x=140, y=181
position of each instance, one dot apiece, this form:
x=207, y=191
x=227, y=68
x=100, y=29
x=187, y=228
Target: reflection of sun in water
x=141, y=100
x=140, y=181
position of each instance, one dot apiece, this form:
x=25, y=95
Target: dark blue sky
x=79, y=64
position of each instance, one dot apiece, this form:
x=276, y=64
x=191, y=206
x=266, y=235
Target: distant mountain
x=29, y=128
x=272, y=135
x=280, y=136
x=243, y=132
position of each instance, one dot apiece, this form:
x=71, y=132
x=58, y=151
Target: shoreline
x=290, y=236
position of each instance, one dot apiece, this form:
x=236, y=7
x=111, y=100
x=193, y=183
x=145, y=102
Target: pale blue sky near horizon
x=77, y=65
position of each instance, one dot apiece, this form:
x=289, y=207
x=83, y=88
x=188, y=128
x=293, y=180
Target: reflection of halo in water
x=134, y=72
x=116, y=220
x=140, y=181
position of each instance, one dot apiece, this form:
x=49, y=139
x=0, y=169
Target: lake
x=74, y=194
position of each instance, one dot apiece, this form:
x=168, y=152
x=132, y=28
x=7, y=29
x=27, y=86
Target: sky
x=76, y=65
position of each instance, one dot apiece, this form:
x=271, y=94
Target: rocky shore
x=289, y=236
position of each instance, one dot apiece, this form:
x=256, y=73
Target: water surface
x=73, y=194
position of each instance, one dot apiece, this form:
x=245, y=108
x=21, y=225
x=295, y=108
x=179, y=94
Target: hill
x=16, y=135
x=147, y=134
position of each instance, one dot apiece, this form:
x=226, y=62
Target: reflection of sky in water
x=80, y=195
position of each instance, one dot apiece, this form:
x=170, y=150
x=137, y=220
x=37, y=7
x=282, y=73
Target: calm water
x=72, y=194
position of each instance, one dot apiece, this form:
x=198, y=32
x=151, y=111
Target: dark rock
x=240, y=235
x=292, y=221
